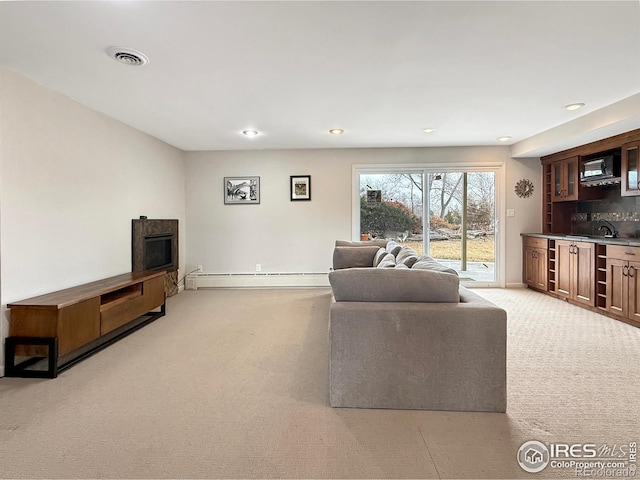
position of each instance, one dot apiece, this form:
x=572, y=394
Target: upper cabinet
x=564, y=180
x=630, y=167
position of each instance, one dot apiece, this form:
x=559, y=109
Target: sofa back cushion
x=425, y=262
x=394, y=285
x=368, y=243
x=352, y=257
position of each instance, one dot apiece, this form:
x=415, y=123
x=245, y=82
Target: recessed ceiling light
x=504, y=139
x=250, y=133
x=128, y=56
x=574, y=106
x=429, y=130
x=336, y=131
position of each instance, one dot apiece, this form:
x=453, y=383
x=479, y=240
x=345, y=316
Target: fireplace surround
x=154, y=246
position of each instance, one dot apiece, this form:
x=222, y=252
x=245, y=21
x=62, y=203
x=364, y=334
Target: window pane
x=391, y=207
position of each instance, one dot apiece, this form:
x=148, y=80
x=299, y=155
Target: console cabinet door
x=584, y=273
x=542, y=266
x=563, y=268
x=535, y=265
x=617, y=285
x=633, y=276
x=575, y=271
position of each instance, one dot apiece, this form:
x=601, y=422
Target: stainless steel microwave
x=599, y=168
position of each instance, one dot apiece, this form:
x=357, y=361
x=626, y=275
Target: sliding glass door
x=462, y=223
x=448, y=214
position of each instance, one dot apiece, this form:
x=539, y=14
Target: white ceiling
x=382, y=71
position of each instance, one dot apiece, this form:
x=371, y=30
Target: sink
x=586, y=237
x=610, y=240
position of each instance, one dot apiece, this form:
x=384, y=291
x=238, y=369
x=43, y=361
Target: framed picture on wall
x=241, y=190
x=300, y=187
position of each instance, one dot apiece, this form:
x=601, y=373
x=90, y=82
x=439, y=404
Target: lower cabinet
x=575, y=271
x=623, y=287
x=536, y=268
x=602, y=277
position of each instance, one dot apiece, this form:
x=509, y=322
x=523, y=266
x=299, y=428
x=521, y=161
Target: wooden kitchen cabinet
x=623, y=287
x=535, y=262
x=564, y=180
x=630, y=166
x=575, y=271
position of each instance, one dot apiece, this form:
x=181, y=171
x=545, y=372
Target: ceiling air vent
x=128, y=56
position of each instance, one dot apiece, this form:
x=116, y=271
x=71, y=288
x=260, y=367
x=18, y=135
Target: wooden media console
x=61, y=328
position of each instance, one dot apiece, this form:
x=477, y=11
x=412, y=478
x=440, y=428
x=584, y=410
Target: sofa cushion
x=388, y=261
x=425, y=262
x=406, y=256
x=380, y=254
x=350, y=257
x=368, y=243
x=394, y=285
x=393, y=247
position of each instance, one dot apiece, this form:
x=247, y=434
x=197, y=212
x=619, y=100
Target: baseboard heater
x=253, y=280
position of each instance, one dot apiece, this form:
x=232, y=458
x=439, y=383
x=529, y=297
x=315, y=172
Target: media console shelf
x=59, y=329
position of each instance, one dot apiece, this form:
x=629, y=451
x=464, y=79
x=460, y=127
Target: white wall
x=71, y=180
x=285, y=236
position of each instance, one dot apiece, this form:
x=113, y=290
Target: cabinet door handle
x=632, y=271
x=625, y=271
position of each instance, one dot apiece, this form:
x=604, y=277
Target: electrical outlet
x=199, y=268
x=258, y=267
x=511, y=212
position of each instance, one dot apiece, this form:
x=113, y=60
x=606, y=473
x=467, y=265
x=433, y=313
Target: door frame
x=499, y=169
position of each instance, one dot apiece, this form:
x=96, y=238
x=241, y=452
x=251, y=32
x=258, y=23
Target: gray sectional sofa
x=405, y=334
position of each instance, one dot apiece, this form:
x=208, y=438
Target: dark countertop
x=634, y=242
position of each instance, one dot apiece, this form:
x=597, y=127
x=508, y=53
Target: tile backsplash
x=622, y=212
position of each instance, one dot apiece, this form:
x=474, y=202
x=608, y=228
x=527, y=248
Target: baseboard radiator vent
x=253, y=280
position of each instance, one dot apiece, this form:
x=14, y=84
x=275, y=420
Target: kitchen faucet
x=610, y=230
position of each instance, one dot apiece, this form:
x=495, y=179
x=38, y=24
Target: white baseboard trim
x=516, y=285
x=256, y=280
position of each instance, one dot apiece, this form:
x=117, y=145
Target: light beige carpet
x=233, y=384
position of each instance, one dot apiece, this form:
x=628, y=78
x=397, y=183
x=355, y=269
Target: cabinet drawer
x=622, y=252
x=120, y=314
x=535, y=242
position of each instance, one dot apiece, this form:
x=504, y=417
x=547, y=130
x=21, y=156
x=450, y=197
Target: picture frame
x=241, y=190
x=300, y=187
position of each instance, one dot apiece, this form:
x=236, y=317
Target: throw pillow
x=380, y=254
x=388, y=261
x=393, y=247
x=407, y=256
